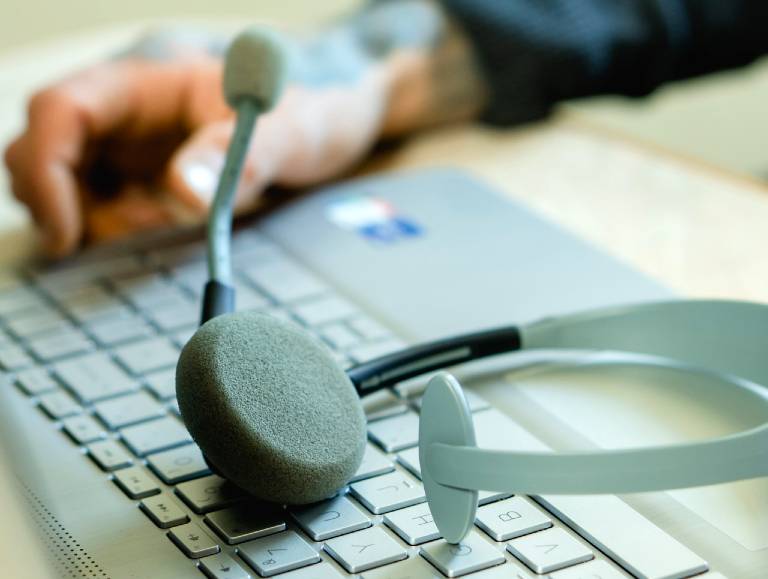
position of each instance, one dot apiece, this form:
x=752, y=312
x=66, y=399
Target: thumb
x=193, y=172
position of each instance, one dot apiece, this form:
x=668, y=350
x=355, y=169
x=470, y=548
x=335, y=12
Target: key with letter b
x=511, y=518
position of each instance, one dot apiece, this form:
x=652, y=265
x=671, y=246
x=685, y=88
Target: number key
x=278, y=553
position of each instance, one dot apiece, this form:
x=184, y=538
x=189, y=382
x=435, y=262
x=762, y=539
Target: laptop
x=105, y=472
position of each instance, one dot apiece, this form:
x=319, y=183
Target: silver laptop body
x=117, y=489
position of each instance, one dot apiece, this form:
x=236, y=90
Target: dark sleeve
x=535, y=53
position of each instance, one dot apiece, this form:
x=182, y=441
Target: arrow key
x=222, y=566
x=549, y=550
x=191, y=539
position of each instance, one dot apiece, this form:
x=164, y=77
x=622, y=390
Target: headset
x=274, y=413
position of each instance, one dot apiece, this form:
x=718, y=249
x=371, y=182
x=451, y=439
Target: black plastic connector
x=218, y=298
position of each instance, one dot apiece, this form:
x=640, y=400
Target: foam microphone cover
x=255, y=67
x=270, y=408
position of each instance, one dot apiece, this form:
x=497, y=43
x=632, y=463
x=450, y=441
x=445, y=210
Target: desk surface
x=701, y=231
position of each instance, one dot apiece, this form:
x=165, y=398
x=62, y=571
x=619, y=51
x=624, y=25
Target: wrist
x=434, y=84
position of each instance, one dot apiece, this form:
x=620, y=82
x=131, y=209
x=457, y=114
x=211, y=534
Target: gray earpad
x=270, y=408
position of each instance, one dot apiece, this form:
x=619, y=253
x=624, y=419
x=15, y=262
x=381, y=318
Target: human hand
x=138, y=143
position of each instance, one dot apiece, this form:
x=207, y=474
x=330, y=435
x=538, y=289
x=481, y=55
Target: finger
x=194, y=170
x=46, y=184
x=123, y=98
x=134, y=210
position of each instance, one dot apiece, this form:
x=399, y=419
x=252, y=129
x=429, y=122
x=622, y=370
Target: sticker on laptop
x=376, y=220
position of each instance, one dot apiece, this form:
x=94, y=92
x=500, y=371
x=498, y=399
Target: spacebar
x=625, y=536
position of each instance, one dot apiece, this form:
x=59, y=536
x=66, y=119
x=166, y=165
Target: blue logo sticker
x=376, y=220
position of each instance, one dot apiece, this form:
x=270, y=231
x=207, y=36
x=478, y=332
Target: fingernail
x=200, y=171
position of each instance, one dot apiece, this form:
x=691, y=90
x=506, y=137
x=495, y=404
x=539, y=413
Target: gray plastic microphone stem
x=220, y=220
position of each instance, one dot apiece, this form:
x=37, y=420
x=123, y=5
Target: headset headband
x=721, y=337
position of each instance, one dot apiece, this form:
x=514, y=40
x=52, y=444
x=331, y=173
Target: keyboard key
x=147, y=290
x=247, y=521
x=14, y=358
x=365, y=550
x=128, y=409
x=83, y=429
x=374, y=463
x=181, y=337
x=35, y=381
x=19, y=299
x=59, y=344
x=179, y=257
x=395, y=433
x=369, y=329
x=511, y=518
x=118, y=331
x=324, y=311
x=135, y=482
x=222, y=566
x=109, y=455
x=330, y=518
x=191, y=276
x=94, y=304
x=163, y=511
x=162, y=384
x=193, y=541
x=278, y=553
x=249, y=299
x=383, y=404
x=625, y=536
x=155, y=435
x=549, y=550
x=173, y=406
x=65, y=279
x=413, y=568
x=410, y=460
x=472, y=554
x=414, y=524
x=375, y=350
x=319, y=571
x=175, y=316
x=42, y=319
x=210, y=493
x=179, y=464
x=595, y=570
x=94, y=377
x=59, y=405
x=148, y=355
x=339, y=336
x=488, y=497
x=284, y=281
x=388, y=492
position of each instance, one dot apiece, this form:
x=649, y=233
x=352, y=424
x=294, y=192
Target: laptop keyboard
x=95, y=347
